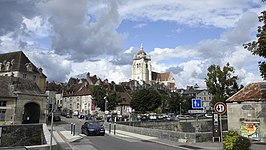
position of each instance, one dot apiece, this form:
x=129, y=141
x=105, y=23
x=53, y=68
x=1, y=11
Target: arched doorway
x=31, y=113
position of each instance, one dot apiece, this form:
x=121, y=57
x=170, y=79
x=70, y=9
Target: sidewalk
x=185, y=146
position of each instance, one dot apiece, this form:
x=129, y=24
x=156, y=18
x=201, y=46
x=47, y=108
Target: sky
x=68, y=38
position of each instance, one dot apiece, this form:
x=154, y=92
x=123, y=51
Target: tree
x=102, y=96
x=186, y=103
x=145, y=100
x=99, y=95
x=220, y=82
x=113, y=99
x=259, y=47
x=174, y=102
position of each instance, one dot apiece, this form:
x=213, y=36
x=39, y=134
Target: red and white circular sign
x=220, y=108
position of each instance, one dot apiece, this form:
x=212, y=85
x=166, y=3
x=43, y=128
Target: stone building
x=246, y=111
x=21, y=101
x=17, y=64
x=142, y=72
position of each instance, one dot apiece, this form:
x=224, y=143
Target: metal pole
x=115, y=126
x=51, y=138
x=74, y=129
x=221, y=128
x=71, y=128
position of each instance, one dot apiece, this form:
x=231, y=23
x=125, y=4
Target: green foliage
x=186, y=103
x=259, y=47
x=220, y=82
x=174, y=102
x=98, y=94
x=145, y=100
x=233, y=141
x=101, y=95
x=113, y=99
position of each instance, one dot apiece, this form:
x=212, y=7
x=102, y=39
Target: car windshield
x=94, y=125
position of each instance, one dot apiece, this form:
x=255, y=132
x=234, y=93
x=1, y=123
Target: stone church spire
x=141, y=67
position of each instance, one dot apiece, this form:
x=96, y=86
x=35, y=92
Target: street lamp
x=105, y=107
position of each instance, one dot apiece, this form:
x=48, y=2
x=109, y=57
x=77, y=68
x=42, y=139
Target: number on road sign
x=220, y=108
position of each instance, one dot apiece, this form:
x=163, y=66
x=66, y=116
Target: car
x=68, y=115
x=208, y=115
x=92, y=128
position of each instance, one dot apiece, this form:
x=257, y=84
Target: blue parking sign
x=196, y=103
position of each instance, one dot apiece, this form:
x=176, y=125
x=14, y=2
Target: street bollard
x=114, y=128
x=74, y=127
x=110, y=127
x=71, y=128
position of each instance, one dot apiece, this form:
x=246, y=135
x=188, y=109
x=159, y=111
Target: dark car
x=92, y=128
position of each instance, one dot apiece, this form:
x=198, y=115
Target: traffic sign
x=220, y=108
x=196, y=103
x=195, y=111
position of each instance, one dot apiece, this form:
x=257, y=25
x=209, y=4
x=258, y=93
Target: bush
x=233, y=141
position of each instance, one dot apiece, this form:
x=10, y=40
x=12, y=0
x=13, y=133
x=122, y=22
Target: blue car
x=92, y=128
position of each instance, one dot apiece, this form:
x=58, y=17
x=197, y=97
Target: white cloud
x=221, y=14
x=167, y=53
x=103, y=69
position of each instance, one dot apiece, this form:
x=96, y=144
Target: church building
x=142, y=71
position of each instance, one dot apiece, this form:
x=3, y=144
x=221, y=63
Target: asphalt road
x=107, y=142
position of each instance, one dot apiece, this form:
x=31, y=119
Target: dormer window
x=7, y=66
x=29, y=66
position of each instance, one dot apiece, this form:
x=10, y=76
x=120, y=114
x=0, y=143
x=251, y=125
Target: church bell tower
x=141, y=67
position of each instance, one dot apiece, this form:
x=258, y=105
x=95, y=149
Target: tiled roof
x=160, y=76
x=252, y=92
x=79, y=89
x=19, y=61
x=20, y=85
x=93, y=79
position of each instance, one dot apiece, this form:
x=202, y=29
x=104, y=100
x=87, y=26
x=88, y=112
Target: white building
x=142, y=72
x=141, y=67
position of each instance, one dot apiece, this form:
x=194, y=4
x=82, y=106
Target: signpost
x=196, y=103
x=196, y=111
x=219, y=108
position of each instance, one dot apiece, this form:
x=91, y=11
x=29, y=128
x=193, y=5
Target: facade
x=197, y=93
x=79, y=99
x=141, y=67
x=16, y=64
x=142, y=72
x=21, y=101
x=246, y=111
x=206, y=98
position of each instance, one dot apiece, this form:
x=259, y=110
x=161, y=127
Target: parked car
x=56, y=118
x=68, y=115
x=92, y=128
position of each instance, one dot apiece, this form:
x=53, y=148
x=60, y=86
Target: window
x=2, y=103
x=24, y=75
x=2, y=115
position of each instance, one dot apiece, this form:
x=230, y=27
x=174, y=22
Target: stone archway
x=31, y=113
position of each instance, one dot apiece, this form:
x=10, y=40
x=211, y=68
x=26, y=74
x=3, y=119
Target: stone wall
x=180, y=131
x=204, y=125
x=32, y=136
x=186, y=137
x=20, y=135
